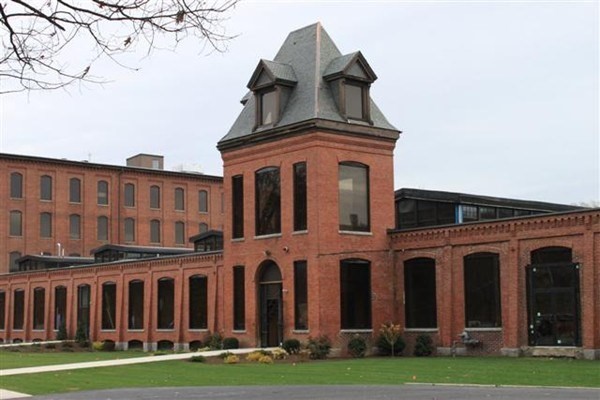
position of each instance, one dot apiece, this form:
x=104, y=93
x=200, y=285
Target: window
x=129, y=227
x=155, y=231
x=300, y=296
x=45, y=225
x=60, y=307
x=109, y=306
x=129, y=195
x=2, y=310
x=74, y=190
x=237, y=195
x=482, y=291
x=486, y=213
x=74, y=226
x=203, y=227
x=102, y=193
x=419, y=293
x=239, y=299
x=198, y=302
x=16, y=185
x=83, y=308
x=12, y=260
x=521, y=213
x=179, y=199
x=102, y=228
x=355, y=294
x=300, y=214
x=203, y=201
x=412, y=213
x=166, y=304
x=154, y=196
x=267, y=108
x=354, y=197
x=16, y=223
x=267, y=201
x=39, y=303
x=46, y=188
x=18, y=309
x=469, y=213
x=354, y=102
x=505, y=212
x=136, y=305
x=179, y=232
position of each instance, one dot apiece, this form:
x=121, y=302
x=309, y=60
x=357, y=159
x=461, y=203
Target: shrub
x=97, y=346
x=390, y=342
x=256, y=355
x=214, y=341
x=265, y=359
x=357, y=347
x=231, y=359
x=292, y=346
x=81, y=336
x=423, y=346
x=279, y=354
x=225, y=354
x=230, y=343
x=62, y=332
x=198, y=359
x=319, y=347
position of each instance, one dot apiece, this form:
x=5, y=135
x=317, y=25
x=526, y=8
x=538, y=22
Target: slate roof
x=308, y=52
x=281, y=72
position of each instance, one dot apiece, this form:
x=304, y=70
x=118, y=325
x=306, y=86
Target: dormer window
x=267, y=108
x=354, y=100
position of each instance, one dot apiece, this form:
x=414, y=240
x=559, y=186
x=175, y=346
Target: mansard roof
x=306, y=57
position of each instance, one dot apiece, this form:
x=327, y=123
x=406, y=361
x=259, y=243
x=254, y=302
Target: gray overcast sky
x=494, y=98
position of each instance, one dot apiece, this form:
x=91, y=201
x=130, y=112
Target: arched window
x=198, y=302
x=482, y=290
x=60, y=307
x=16, y=223
x=355, y=294
x=129, y=227
x=39, y=306
x=179, y=199
x=74, y=226
x=155, y=231
x=203, y=201
x=18, y=309
x=353, y=180
x=16, y=185
x=129, y=195
x=136, y=305
x=179, y=232
x=102, y=193
x=109, y=305
x=2, y=309
x=154, y=196
x=74, y=190
x=45, y=225
x=46, y=187
x=420, y=293
x=267, y=201
x=102, y=228
x=166, y=303
x=83, y=308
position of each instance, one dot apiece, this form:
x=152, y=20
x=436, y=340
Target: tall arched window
x=354, y=213
x=45, y=225
x=166, y=303
x=109, y=306
x=267, y=201
x=102, y=228
x=129, y=227
x=46, y=187
x=16, y=185
x=179, y=199
x=482, y=290
x=154, y=196
x=129, y=195
x=136, y=305
x=74, y=226
x=18, y=309
x=102, y=193
x=355, y=294
x=420, y=293
x=198, y=302
x=75, y=190
x=39, y=307
x=203, y=201
x=179, y=232
x=15, y=223
x=60, y=307
x=155, y=231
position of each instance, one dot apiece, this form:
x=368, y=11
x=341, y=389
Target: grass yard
x=488, y=370
x=17, y=359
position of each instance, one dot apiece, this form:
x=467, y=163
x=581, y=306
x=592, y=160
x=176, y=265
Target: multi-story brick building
x=67, y=208
x=311, y=246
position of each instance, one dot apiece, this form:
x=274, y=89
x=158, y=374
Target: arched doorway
x=270, y=304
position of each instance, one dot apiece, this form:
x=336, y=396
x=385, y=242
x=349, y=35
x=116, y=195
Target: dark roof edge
x=466, y=198
x=343, y=128
x=85, y=164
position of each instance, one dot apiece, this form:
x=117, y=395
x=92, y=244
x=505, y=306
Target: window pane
x=39, y=305
x=129, y=229
x=74, y=227
x=154, y=197
x=354, y=197
x=300, y=207
x=45, y=225
x=166, y=305
x=237, y=194
x=179, y=232
x=198, y=302
x=74, y=190
x=420, y=293
x=16, y=223
x=203, y=201
x=18, y=309
x=268, y=202
x=505, y=212
x=109, y=306
x=486, y=213
x=300, y=296
x=355, y=290
x=102, y=193
x=179, y=199
x=136, y=305
x=482, y=291
x=129, y=200
x=60, y=307
x=103, y=228
x=268, y=107
x=239, y=299
x=2, y=310
x=469, y=213
x=446, y=213
x=83, y=308
x=354, y=102
x=155, y=231
x=45, y=188
x=16, y=185
x=406, y=211
x=426, y=213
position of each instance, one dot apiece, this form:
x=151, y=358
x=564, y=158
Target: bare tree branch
x=42, y=39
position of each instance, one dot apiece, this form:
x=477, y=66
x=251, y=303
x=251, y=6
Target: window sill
x=203, y=212
x=102, y=205
x=201, y=330
x=75, y=203
x=239, y=331
x=136, y=330
x=235, y=240
x=166, y=330
x=301, y=331
x=16, y=198
x=356, y=330
x=490, y=329
x=38, y=330
x=108, y=330
x=421, y=330
x=304, y=232
x=357, y=233
x=269, y=236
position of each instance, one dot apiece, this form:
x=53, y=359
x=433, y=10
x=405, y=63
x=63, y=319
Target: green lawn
x=14, y=359
x=499, y=371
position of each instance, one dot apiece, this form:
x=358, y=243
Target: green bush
x=214, y=341
x=62, y=332
x=232, y=359
x=292, y=346
x=423, y=346
x=384, y=348
x=357, y=347
x=198, y=359
x=97, y=346
x=319, y=347
x=230, y=343
x=81, y=336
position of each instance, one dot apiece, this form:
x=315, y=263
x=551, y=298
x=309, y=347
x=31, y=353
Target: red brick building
x=313, y=243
